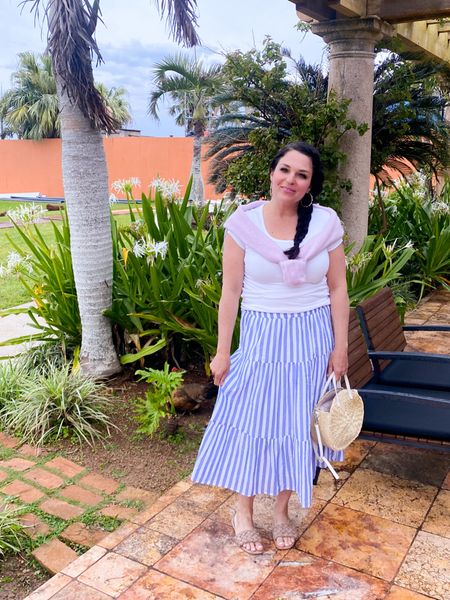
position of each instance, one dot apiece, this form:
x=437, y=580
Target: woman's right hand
x=220, y=365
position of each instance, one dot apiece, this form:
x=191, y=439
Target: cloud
x=133, y=38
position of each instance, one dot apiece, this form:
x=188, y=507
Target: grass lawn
x=12, y=291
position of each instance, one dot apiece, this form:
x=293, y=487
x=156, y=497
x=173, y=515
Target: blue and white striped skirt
x=258, y=440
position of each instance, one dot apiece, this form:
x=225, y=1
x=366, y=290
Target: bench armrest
x=421, y=356
x=426, y=327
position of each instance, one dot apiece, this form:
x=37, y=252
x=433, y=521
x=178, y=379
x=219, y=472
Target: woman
x=285, y=257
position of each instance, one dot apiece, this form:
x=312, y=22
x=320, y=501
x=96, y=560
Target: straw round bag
x=337, y=419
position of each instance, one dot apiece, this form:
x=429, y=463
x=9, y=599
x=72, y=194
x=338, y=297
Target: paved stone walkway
x=381, y=532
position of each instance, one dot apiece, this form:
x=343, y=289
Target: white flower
x=357, y=261
x=149, y=248
x=160, y=248
x=112, y=199
x=26, y=214
x=169, y=188
x=139, y=248
x=125, y=185
x=16, y=264
x=389, y=248
x=117, y=185
x=409, y=244
x=13, y=260
x=440, y=207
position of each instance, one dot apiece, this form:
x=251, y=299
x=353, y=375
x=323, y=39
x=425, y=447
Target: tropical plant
x=11, y=376
x=408, y=128
x=83, y=114
x=114, y=98
x=167, y=278
x=30, y=108
x=268, y=108
x=45, y=270
x=56, y=402
x=375, y=265
x=158, y=402
x=411, y=216
x=13, y=538
x=191, y=87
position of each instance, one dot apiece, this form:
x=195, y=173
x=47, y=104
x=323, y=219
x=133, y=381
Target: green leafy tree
x=30, y=108
x=268, y=108
x=408, y=126
x=83, y=115
x=191, y=86
x=273, y=107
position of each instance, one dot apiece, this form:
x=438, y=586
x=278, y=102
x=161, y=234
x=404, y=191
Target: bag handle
x=318, y=451
x=332, y=379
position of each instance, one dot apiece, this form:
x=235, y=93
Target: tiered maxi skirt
x=258, y=440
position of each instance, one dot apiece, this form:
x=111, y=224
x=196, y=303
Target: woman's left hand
x=338, y=363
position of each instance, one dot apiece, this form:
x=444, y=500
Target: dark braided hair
x=303, y=214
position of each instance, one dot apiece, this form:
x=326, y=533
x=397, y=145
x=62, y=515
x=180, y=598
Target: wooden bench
x=397, y=412
x=385, y=338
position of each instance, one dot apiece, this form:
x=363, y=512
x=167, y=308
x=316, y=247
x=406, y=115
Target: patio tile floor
x=380, y=533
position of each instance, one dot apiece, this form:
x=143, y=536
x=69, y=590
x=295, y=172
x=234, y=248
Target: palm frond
x=71, y=44
x=181, y=19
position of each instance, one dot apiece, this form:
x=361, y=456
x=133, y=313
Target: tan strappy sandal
x=250, y=536
x=284, y=530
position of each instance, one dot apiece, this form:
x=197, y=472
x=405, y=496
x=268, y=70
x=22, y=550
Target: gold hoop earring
x=311, y=201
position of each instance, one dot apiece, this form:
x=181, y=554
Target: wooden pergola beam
x=349, y=8
x=423, y=36
x=402, y=11
x=393, y=11
x=314, y=9
x=408, y=16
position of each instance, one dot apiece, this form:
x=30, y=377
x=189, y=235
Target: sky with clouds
x=133, y=38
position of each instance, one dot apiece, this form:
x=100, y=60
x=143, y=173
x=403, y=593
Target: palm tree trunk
x=86, y=192
x=197, y=190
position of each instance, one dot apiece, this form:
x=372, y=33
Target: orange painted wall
x=28, y=166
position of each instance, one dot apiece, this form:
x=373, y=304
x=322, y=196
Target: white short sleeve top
x=264, y=289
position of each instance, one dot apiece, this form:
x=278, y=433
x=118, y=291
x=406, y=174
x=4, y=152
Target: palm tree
x=30, y=108
x=191, y=87
x=408, y=124
x=83, y=114
x=114, y=98
x=31, y=105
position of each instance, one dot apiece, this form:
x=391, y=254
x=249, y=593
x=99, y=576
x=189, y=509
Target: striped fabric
x=258, y=439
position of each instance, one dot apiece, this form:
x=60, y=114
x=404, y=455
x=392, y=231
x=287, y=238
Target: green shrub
x=167, y=282
x=376, y=265
x=13, y=538
x=412, y=217
x=158, y=401
x=47, y=275
x=57, y=402
x=12, y=375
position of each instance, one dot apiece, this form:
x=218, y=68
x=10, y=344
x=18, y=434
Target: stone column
x=352, y=43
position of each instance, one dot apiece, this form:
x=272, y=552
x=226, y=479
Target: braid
x=303, y=219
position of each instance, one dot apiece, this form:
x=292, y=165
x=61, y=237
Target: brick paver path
x=65, y=506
